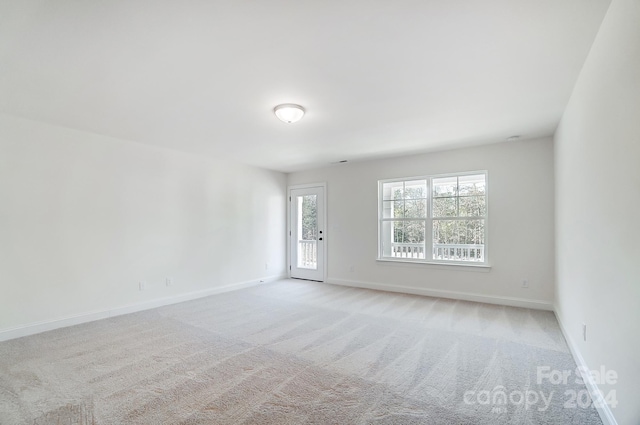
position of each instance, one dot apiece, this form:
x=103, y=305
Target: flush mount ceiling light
x=288, y=112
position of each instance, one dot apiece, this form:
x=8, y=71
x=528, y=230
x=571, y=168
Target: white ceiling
x=378, y=78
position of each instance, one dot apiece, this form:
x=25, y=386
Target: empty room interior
x=241, y=212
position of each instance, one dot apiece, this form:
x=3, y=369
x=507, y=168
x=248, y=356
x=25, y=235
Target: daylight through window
x=434, y=218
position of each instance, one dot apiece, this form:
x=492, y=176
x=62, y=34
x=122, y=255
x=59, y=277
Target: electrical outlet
x=525, y=283
x=584, y=332
x=169, y=281
x=142, y=285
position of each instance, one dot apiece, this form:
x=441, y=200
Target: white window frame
x=428, y=249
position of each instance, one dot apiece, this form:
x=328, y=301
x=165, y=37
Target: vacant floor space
x=293, y=352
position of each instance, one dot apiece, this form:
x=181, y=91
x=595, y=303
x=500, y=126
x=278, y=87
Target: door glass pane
x=307, y=232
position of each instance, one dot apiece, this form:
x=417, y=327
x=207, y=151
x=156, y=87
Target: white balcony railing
x=451, y=252
x=308, y=254
x=458, y=252
x=407, y=250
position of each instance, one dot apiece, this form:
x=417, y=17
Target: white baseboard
x=606, y=415
x=48, y=325
x=465, y=296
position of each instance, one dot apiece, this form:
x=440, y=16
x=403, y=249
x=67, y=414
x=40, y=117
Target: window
x=434, y=218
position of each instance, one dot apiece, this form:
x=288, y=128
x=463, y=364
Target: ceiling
x=377, y=78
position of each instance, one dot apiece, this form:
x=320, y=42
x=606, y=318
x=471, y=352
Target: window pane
x=414, y=231
x=472, y=206
x=445, y=232
x=386, y=238
x=392, y=209
x=392, y=190
x=446, y=186
x=415, y=208
x=398, y=231
x=471, y=232
x=444, y=207
x=415, y=189
x=409, y=239
x=403, y=239
x=458, y=240
x=472, y=185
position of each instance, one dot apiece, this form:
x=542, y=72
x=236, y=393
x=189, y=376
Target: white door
x=307, y=233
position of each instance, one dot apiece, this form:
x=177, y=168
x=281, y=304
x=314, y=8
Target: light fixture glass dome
x=289, y=112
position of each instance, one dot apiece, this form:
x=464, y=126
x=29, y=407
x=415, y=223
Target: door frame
x=323, y=185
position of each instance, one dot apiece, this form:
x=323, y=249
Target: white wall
x=84, y=218
x=598, y=207
x=521, y=221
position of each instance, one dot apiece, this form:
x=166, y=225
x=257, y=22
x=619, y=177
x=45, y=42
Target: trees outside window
x=434, y=218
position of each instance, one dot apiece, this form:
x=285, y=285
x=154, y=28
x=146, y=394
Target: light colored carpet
x=294, y=352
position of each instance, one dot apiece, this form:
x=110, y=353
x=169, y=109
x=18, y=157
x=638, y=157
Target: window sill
x=462, y=266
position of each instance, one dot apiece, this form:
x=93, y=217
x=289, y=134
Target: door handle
x=319, y=239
